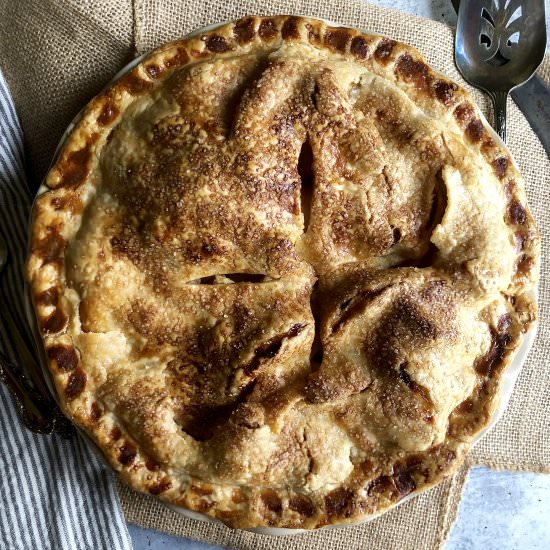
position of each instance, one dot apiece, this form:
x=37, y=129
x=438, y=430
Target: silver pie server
x=499, y=45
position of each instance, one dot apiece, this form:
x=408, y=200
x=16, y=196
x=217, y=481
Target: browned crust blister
x=57, y=215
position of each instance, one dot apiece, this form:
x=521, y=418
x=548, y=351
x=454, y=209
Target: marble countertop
x=499, y=510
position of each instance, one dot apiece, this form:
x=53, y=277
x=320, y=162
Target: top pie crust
x=279, y=272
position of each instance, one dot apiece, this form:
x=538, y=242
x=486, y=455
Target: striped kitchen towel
x=54, y=493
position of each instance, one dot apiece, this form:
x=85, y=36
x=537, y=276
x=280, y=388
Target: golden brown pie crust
x=279, y=272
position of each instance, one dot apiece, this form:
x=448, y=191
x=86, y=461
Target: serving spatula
x=499, y=45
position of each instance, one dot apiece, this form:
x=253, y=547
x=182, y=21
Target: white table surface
x=499, y=510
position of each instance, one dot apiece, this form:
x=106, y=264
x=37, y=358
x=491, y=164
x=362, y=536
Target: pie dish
x=280, y=271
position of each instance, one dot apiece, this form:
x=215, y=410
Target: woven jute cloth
x=56, y=54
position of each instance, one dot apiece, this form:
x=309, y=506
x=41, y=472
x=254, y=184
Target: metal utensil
x=499, y=45
x=37, y=408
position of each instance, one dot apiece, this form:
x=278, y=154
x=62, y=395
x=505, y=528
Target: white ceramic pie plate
x=508, y=378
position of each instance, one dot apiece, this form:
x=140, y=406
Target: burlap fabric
x=56, y=54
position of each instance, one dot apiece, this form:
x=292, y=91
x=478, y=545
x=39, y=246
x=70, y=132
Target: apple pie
x=279, y=270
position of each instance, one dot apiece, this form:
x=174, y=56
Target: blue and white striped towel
x=54, y=494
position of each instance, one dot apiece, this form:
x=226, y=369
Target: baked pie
x=279, y=271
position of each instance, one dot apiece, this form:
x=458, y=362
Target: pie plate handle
x=38, y=413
